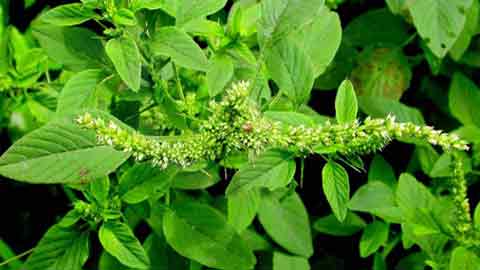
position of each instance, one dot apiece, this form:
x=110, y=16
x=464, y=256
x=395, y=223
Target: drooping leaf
x=175, y=43
x=336, y=188
x=373, y=237
x=330, y=225
x=118, y=240
x=125, y=56
x=346, y=106
x=67, y=15
x=286, y=221
x=200, y=233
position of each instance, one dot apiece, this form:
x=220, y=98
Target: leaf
x=197, y=180
x=373, y=237
x=336, y=188
x=272, y=169
x=168, y=6
x=60, y=248
x=242, y=208
x=125, y=56
x=255, y=241
x=219, y=73
x=464, y=259
x=325, y=29
x=377, y=199
x=330, y=225
x=412, y=195
x=200, y=233
x=175, y=43
x=124, y=16
x=286, y=221
x=291, y=70
x=60, y=152
x=118, y=240
x=79, y=92
x=476, y=217
x=382, y=72
x=281, y=17
x=188, y=10
x=75, y=48
x=375, y=27
x=469, y=30
x=286, y=262
x=346, y=106
x=442, y=24
x=381, y=170
x=463, y=100
x=67, y=15
x=380, y=107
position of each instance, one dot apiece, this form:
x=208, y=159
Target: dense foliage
x=216, y=134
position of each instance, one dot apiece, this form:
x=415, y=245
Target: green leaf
x=219, y=73
x=60, y=152
x=476, y=216
x=79, y=92
x=378, y=199
x=375, y=27
x=381, y=170
x=373, y=237
x=330, y=225
x=336, y=188
x=175, y=43
x=272, y=169
x=442, y=24
x=469, y=30
x=67, y=15
x=188, y=10
x=124, y=16
x=255, y=241
x=125, y=56
x=286, y=221
x=346, y=106
x=286, y=262
x=197, y=180
x=168, y=6
x=118, y=240
x=380, y=107
x=60, y=248
x=464, y=259
x=242, y=208
x=325, y=29
x=281, y=17
x=291, y=69
x=382, y=72
x=200, y=233
x=143, y=181
x=463, y=100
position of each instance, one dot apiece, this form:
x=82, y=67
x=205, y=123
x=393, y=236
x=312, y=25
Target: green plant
x=173, y=92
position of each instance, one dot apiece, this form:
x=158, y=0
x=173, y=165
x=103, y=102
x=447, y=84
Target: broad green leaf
x=381, y=72
x=169, y=6
x=282, y=17
x=336, y=188
x=175, y=43
x=6, y=253
x=67, y=15
x=143, y=181
x=200, y=233
x=476, y=216
x=380, y=107
x=381, y=170
x=346, y=106
x=242, y=19
x=118, y=240
x=286, y=221
x=373, y=237
x=325, y=29
x=330, y=225
x=378, y=199
x=60, y=152
x=197, y=180
x=75, y=48
x=412, y=195
x=375, y=27
x=60, y=248
x=291, y=69
x=286, y=262
x=125, y=56
x=379, y=262
x=414, y=261
x=464, y=259
x=124, y=16
x=242, y=208
x=272, y=169
x=219, y=73
x=397, y=6
x=188, y=10
x=204, y=28
x=162, y=256
x=108, y=262
x=463, y=100
x=442, y=24
x=255, y=240
x=100, y=190
x=79, y=92
x=469, y=30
